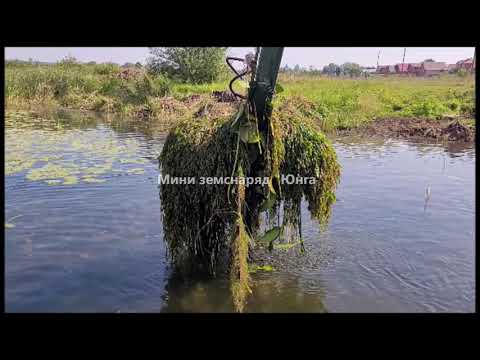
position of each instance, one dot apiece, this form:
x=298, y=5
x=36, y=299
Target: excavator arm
x=263, y=68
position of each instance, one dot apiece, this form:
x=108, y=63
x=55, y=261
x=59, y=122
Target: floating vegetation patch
x=70, y=180
x=253, y=268
x=93, y=180
x=133, y=161
x=136, y=171
x=9, y=225
x=215, y=227
x=53, y=182
x=54, y=152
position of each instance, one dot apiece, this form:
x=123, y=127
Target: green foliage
x=206, y=224
x=351, y=69
x=331, y=69
x=195, y=65
x=462, y=73
x=333, y=102
x=338, y=103
x=106, y=69
x=87, y=86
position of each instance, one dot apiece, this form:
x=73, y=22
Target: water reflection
x=272, y=293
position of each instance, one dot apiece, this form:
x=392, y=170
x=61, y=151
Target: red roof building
x=414, y=68
x=401, y=68
x=466, y=64
x=432, y=68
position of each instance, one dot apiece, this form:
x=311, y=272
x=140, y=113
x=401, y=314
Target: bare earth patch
x=417, y=128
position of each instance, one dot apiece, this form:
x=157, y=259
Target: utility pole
x=378, y=58
x=403, y=61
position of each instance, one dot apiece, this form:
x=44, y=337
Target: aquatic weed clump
x=197, y=218
x=307, y=153
x=215, y=227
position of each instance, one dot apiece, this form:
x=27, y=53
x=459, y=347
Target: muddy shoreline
x=441, y=130
x=449, y=129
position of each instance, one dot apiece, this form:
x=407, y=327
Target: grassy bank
x=335, y=103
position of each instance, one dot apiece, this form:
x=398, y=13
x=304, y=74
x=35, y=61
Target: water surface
x=98, y=246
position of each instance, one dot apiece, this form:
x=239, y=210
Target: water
x=98, y=247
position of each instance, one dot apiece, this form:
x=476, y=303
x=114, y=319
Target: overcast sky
x=310, y=56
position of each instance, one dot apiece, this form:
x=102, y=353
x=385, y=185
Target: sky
x=303, y=56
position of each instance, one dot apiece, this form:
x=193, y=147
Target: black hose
x=238, y=75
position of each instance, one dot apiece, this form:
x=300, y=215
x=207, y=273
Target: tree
x=351, y=69
x=429, y=60
x=330, y=69
x=189, y=64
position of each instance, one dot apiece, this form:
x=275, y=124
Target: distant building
x=369, y=70
x=432, y=68
x=426, y=68
x=452, y=68
x=386, y=69
x=466, y=64
x=414, y=68
x=382, y=69
x=401, y=68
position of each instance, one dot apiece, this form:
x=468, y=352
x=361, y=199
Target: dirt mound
x=224, y=96
x=456, y=131
x=444, y=129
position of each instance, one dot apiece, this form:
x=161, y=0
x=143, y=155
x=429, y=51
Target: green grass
x=335, y=102
x=345, y=103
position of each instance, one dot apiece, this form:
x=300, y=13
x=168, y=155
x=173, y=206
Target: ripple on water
x=382, y=250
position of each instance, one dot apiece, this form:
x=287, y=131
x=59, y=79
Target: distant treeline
x=346, y=69
x=68, y=59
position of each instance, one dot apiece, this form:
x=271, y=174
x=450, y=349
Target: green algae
x=136, y=171
x=93, y=180
x=133, y=161
x=286, y=246
x=48, y=171
x=70, y=180
x=53, y=182
x=13, y=166
x=253, y=268
x=216, y=227
x=39, y=149
x=8, y=224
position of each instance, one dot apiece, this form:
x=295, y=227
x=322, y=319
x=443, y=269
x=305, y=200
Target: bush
x=161, y=86
x=106, y=69
x=462, y=73
x=187, y=64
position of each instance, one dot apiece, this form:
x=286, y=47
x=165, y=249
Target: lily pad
x=270, y=236
x=136, y=171
x=255, y=268
x=53, y=182
x=70, y=180
x=93, y=180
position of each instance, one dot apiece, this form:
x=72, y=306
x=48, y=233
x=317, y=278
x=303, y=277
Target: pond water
x=84, y=234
